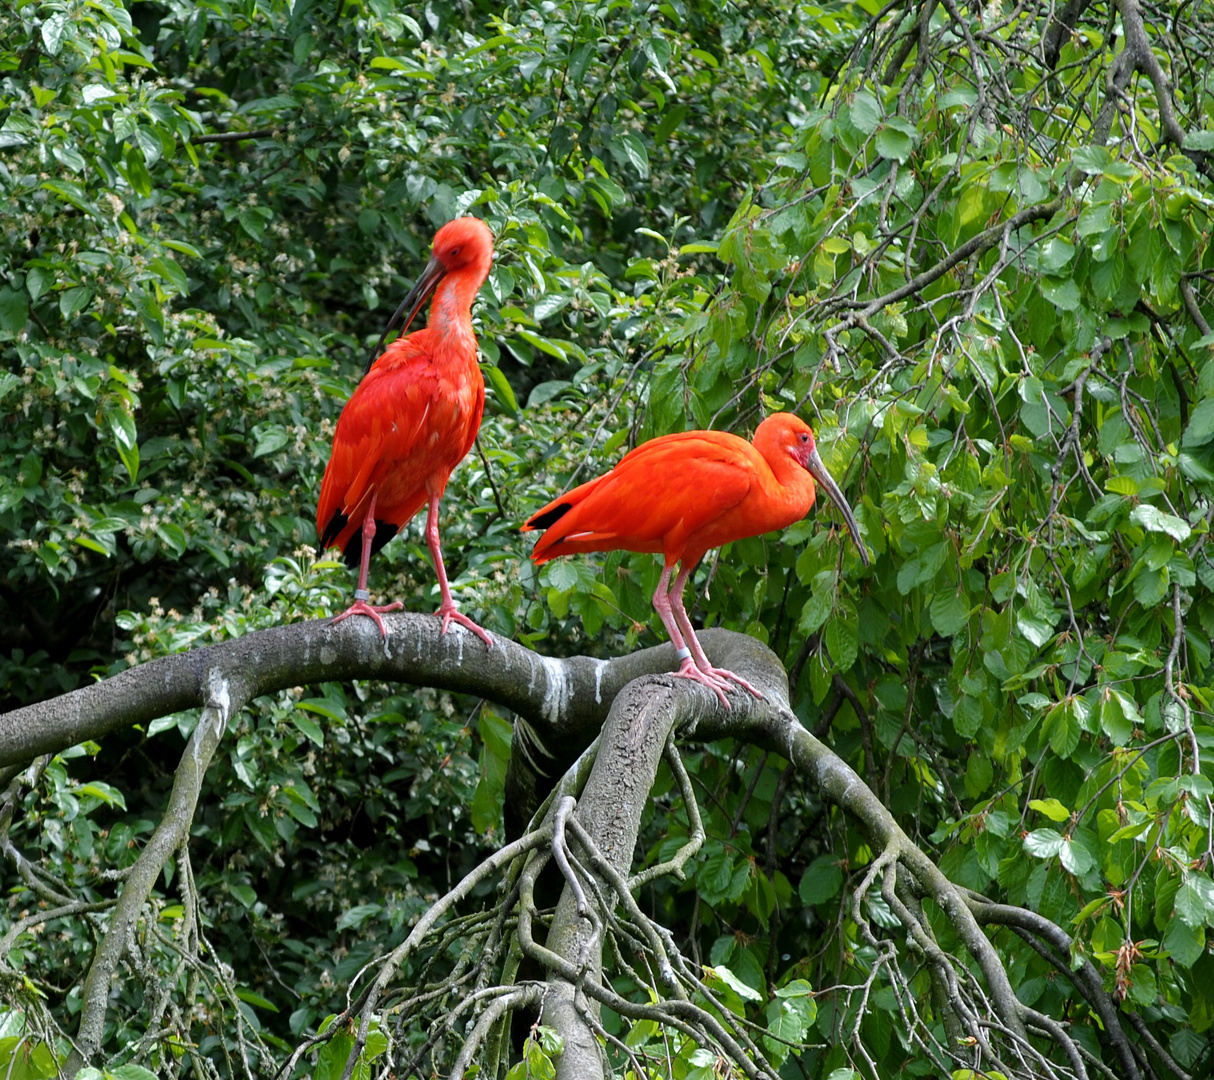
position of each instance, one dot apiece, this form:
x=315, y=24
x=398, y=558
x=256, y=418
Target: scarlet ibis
x=410, y=421
x=679, y=496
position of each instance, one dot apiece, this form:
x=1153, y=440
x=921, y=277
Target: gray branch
x=563, y=702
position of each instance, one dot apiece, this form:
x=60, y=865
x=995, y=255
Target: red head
x=463, y=248
x=787, y=434
x=464, y=242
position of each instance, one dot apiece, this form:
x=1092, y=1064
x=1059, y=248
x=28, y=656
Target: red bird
x=679, y=496
x=410, y=421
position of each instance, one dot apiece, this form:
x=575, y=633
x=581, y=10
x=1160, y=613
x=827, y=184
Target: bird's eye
x=804, y=437
x=453, y=253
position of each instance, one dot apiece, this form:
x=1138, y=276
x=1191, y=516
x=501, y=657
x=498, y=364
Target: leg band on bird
x=361, y=594
x=683, y=654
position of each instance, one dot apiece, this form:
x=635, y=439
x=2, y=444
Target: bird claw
x=450, y=614
x=724, y=673
x=361, y=607
x=688, y=670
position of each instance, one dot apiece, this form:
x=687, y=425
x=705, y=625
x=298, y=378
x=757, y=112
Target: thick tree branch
x=570, y=697
x=564, y=702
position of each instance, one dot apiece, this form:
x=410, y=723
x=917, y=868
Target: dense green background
x=703, y=213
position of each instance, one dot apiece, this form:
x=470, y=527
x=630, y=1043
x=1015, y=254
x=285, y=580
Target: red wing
x=407, y=425
x=655, y=499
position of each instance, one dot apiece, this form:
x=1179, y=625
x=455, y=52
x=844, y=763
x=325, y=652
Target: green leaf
x=821, y=880
x=634, y=151
x=253, y=224
x=979, y=772
x=1076, y=858
x=669, y=124
x=894, y=144
x=171, y=274
x=865, y=112
x=1051, y=808
x=101, y=790
x=270, y=438
x=149, y=145
x=251, y=998
x=54, y=30
x=356, y=916
x=173, y=536
x=967, y=717
x=1062, y=724
x=14, y=309
x=1155, y=520
x=740, y=988
x=1190, y=906
x=1092, y=160
x=816, y=610
x=1143, y=989
x=1043, y=843
x=308, y=727
x=501, y=388
x=136, y=1072
x=950, y=612
x=122, y=424
x=1201, y=424
x=843, y=641
x=334, y=710
x=74, y=300
x=1063, y=293
x=1199, y=140
x=1185, y=943
x=1118, y=715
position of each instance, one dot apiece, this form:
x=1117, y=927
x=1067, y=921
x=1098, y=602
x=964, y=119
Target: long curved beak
x=418, y=295
x=819, y=473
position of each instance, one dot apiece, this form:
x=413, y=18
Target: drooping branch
x=1036, y=928
x=226, y=696
x=838, y=782
x=564, y=703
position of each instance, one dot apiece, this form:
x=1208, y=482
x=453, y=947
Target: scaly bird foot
x=688, y=670
x=724, y=673
x=450, y=614
x=361, y=607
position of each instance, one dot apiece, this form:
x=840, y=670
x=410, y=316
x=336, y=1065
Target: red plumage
x=411, y=420
x=681, y=495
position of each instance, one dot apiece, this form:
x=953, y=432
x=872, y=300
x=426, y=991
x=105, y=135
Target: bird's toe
x=453, y=614
x=371, y=611
x=688, y=670
x=723, y=673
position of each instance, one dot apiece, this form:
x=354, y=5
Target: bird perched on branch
x=680, y=495
x=410, y=421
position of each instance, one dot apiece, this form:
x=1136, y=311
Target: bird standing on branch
x=679, y=496
x=410, y=421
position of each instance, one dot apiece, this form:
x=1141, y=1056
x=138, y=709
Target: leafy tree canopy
x=970, y=245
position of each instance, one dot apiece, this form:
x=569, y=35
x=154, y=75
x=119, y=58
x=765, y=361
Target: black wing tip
x=384, y=531
x=332, y=530
x=547, y=518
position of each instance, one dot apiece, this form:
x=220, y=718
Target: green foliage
x=988, y=295
x=541, y=1046
x=332, y=1057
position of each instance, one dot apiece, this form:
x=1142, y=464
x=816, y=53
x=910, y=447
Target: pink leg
x=447, y=611
x=697, y=650
x=688, y=669
x=361, y=596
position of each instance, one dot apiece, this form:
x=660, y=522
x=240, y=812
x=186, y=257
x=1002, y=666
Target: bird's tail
x=556, y=520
